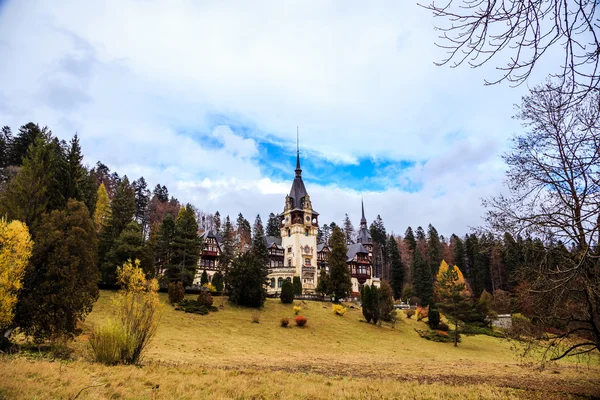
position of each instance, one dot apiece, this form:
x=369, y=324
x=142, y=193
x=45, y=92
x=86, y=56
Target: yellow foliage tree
x=103, y=210
x=441, y=291
x=15, y=250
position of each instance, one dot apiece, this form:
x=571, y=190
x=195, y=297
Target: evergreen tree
x=297, y=286
x=102, y=212
x=377, y=230
x=217, y=224
x=20, y=143
x=453, y=296
x=60, y=283
x=325, y=233
x=287, y=292
x=323, y=283
x=433, y=316
x=164, y=244
x=434, y=249
x=273, y=226
x=259, y=245
x=366, y=300
x=186, y=247
x=142, y=203
x=218, y=281
x=512, y=257
x=420, y=235
x=33, y=190
x=380, y=259
x=204, y=278
x=161, y=193
x=459, y=252
x=422, y=279
x=227, y=247
x=348, y=230
x=339, y=273
x=76, y=173
x=396, y=267
x=386, y=302
x=127, y=246
x=246, y=280
x=122, y=207
x=244, y=231
x=409, y=239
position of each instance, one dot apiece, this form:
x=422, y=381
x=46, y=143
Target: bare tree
x=553, y=180
x=475, y=31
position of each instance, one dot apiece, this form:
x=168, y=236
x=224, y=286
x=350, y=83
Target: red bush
x=300, y=320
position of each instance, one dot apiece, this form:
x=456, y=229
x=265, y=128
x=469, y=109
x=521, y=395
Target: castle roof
x=364, y=236
x=354, y=249
x=274, y=241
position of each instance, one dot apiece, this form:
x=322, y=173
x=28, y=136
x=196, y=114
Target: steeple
x=363, y=220
x=298, y=169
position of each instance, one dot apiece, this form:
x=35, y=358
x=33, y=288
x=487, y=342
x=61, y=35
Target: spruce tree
x=19, y=145
x=325, y=233
x=244, y=231
x=287, y=292
x=323, y=283
x=434, y=249
x=381, y=262
x=273, y=226
x=164, y=244
x=246, y=280
x=227, y=247
x=459, y=251
x=217, y=224
x=60, y=282
x=366, y=300
x=218, y=281
x=339, y=273
x=348, y=230
x=204, y=278
x=396, y=267
x=422, y=280
x=186, y=247
x=409, y=239
x=259, y=245
x=142, y=204
x=297, y=286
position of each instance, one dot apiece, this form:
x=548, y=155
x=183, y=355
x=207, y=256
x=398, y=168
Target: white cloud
x=142, y=83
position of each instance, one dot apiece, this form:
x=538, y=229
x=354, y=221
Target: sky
x=206, y=98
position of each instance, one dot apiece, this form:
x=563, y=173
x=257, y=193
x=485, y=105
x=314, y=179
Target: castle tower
x=299, y=229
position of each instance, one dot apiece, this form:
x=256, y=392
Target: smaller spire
x=298, y=169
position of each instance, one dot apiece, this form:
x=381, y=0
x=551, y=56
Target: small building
x=209, y=256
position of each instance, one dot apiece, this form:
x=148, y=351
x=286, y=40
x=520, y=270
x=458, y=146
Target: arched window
x=273, y=283
x=288, y=279
x=279, y=282
x=307, y=262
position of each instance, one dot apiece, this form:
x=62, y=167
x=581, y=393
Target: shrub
x=386, y=301
x=469, y=329
x=421, y=313
x=210, y=287
x=256, y=317
x=285, y=321
x=287, y=293
x=193, y=307
x=176, y=292
x=433, y=318
x=442, y=326
x=218, y=281
x=409, y=313
x=110, y=344
x=245, y=280
x=338, y=309
x=300, y=320
x=297, y=310
x=205, y=299
x=436, y=336
x=124, y=339
x=297, y=286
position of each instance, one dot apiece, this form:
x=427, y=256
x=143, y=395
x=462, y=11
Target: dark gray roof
x=354, y=249
x=298, y=192
x=207, y=234
x=321, y=246
x=364, y=236
x=273, y=240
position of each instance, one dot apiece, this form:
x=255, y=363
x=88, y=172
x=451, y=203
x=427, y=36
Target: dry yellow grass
x=225, y=355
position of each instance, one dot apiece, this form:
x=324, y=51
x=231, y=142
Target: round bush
x=287, y=293
x=300, y=320
x=433, y=317
x=205, y=299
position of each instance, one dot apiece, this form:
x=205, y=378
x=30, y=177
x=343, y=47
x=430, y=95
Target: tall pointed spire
x=298, y=169
x=363, y=220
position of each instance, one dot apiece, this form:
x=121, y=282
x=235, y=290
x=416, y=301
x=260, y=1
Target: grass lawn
x=224, y=355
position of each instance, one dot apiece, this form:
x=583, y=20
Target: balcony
x=308, y=269
x=361, y=278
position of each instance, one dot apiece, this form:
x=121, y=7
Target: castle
x=296, y=252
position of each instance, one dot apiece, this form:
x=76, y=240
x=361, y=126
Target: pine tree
x=186, y=247
x=227, y=246
x=396, y=267
x=325, y=233
x=20, y=143
x=218, y=281
x=217, y=224
x=377, y=230
x=287, y=292
x=323, y=283
x=142, y=203
x=409, y=239
x=60, y=283
x=380, y=259
x=204, y=278
x=244, y=231
x=348, y=230
x=259, y=245
x=75, y=170
x=422, y=280
x=102, y=212
x=434, y=249
x=366, y=300
x=273, y=226
x=453, y=296
x=339, y=273
x=246, y=280
x=161, y=193
x=164, y=244
x=459, y=252
x=297, y=285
